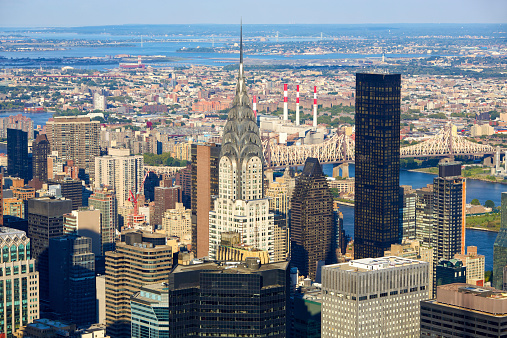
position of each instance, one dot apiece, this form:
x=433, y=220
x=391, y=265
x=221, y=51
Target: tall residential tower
x=377, y=164
x=75, y=138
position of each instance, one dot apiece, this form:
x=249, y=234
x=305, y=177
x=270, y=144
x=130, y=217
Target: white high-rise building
x=373, y=297
x=241, y=206
x=119, y=171
x=99, y=102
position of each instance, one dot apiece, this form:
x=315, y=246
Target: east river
x=481, y=190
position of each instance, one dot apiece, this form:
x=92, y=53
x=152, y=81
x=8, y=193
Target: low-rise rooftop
x=371, y=264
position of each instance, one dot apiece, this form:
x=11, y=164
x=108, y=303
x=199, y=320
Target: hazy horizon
x=65, y=13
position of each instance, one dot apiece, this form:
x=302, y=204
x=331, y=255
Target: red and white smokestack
x=315, y=106
x=139, y=60
x=255, y=106
x=285, y=108
x=297, y=105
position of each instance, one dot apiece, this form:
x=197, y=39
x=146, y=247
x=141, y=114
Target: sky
x=73, y=13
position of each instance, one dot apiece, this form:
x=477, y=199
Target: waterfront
x=481, y=190
x=37, y=118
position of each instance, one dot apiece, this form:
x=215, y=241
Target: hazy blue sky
x=38, y=13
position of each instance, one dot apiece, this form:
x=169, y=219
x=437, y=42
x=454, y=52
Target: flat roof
x=371, y=264
x=229, y=267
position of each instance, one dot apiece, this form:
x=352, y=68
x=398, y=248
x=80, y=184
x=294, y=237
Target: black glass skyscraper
x=377, y=163
x=17, y=154
x=40, y=152
x=222, y=300
x=72, y=291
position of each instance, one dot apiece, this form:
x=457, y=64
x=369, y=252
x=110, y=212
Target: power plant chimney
x=139, y=60
x=315, y=106
x=297, y=105
x=285, y=108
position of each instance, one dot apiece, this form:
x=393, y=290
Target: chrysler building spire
x=241, y=207
x=241, y=138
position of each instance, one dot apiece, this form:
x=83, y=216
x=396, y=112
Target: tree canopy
x=163, y=159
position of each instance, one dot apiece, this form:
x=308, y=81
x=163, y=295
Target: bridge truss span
x=341, y=148
x=446, y=143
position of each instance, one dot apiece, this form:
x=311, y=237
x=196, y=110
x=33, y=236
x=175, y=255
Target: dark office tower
x=500, y=249
x=45, y=221
x=450, y=271
x=72, y=279
x=40, y=153
x=448, y=233
x=183, y=178
x=71, y=189
x=151, y=181
x=205, y=158
x=312, y=229
x=243, y=300
x=17, y=154
x=377, y=164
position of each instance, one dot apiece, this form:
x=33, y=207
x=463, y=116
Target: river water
x=483, y=191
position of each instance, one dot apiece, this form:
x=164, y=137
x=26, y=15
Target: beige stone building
x=140, y=258
x=183, y=151
x=373, y=297
x=75, y=138
x=177, y=222
x=475, y=265
x=279, y=193
x=85, y=222
x=412, y=249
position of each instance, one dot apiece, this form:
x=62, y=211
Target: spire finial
x=241, y=88
x=241, y=42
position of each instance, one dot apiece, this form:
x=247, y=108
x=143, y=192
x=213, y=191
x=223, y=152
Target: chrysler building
x=241, y=206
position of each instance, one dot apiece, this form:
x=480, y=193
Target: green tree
x=475, y=201
x=488, y=276
x=489, y=204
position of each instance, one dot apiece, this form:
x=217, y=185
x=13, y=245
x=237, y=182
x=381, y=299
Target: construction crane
x=135, y=217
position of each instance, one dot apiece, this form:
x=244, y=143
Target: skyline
x=60, y=13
